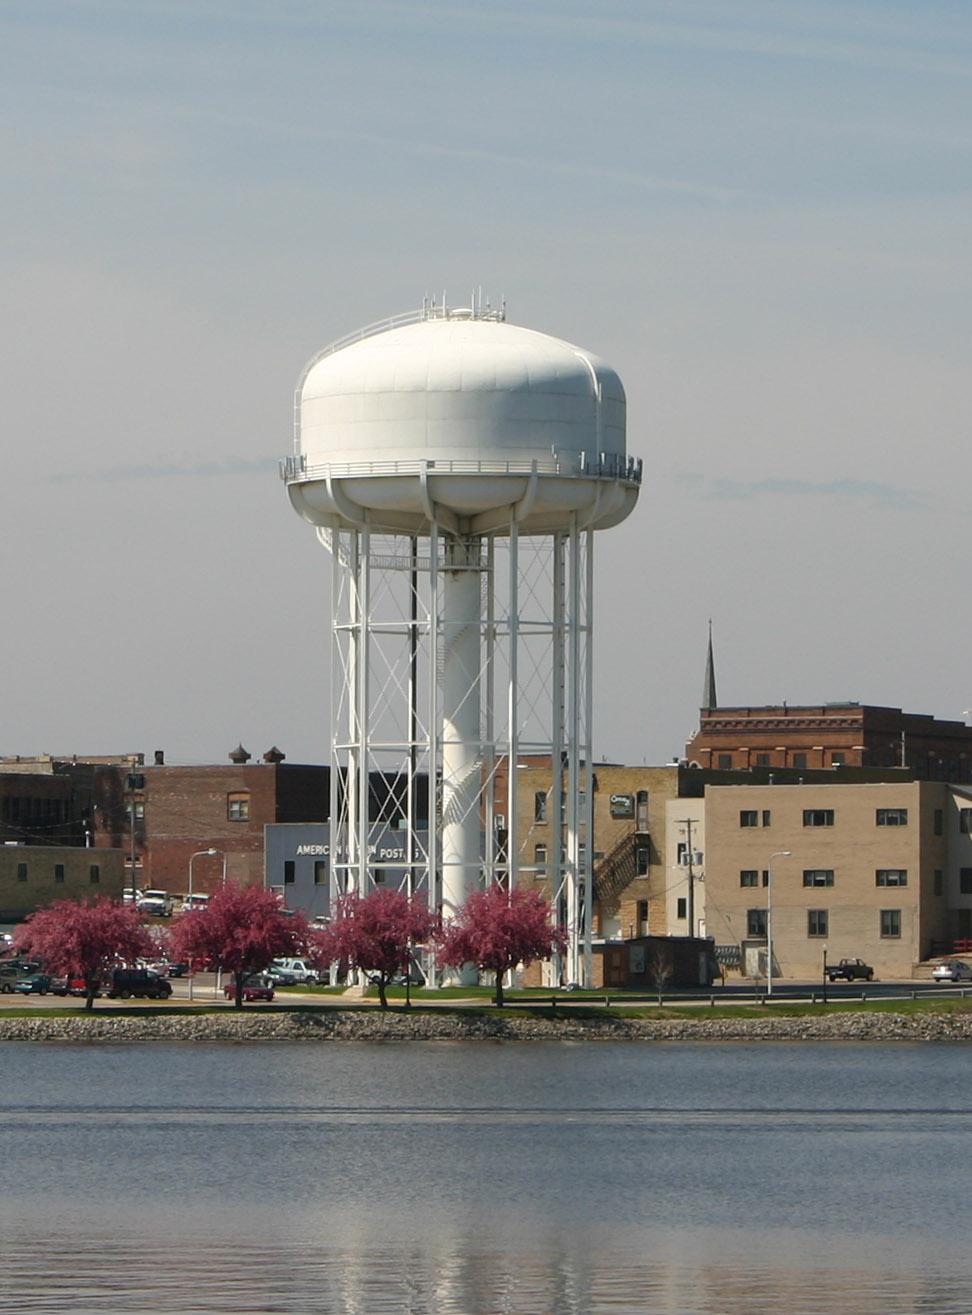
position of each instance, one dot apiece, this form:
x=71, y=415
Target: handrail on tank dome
x=429, y=310
x=610, y=465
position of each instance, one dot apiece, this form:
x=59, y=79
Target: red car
x=254, y=988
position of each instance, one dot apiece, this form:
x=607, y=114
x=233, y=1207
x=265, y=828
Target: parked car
x=194, y=901
x=126, y=982
x=254, y=988
x=35, y=984
x=72, y=985
x=156, y=903
x=14, y=971
x=952, y=970
x=166, y=968
x=850, y=969
x=302, y=969
x=276, y=976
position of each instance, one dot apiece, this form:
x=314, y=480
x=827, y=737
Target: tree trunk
x=499, y=988
x=90, y=987
x=381, y=991
x=237, y=990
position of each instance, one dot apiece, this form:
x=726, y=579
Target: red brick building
x=184, y=811
x=832, y=735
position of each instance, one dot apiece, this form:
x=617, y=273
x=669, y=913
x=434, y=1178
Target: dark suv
x=126, y=982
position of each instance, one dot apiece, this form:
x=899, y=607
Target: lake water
x=548, y=1179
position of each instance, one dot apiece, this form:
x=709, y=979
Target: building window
x=837, y=758
x=818, y=817
x=642, y=910
x=642, y=859
x=59, y=872
x=799, y=760
x=540, y=855
x=762, y=760
x=540, y=806
x=818, y=876
x=891, y=877
x=816, y=922
x=892, y=817
x=965, y=820
x=748, y=817
x=320, y=872
x=755, y=922
x=767, y=817
x=681, y=910
x=94, y=874
x=965, y=881
x=939, y=880
x=939, y=822
x=890, y=922
x=642, y=810
x=238, y=807
x=725, y=762
x=290, y=872
x=21, y=871
x=139, y=810
x=749, y=877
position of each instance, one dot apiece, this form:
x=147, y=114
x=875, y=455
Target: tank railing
x=609, y=465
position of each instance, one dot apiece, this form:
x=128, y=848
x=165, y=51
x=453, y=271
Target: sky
x=757, y=213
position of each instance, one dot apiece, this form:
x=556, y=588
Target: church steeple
x=709, y=699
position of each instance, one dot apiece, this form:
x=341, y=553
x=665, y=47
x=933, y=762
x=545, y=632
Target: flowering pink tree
x=498, y=929
x=239, y=931
x=84, y=939
x=375, y=933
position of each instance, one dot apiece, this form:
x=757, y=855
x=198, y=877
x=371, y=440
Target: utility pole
x=690, y=906
x=136, y=781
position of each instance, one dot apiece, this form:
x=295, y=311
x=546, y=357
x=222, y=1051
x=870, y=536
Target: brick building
x=181, y=811
x=832, y=735
x=46, y=801
x=32, y=876
x=880, y=870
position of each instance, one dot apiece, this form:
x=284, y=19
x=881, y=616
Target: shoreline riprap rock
x=373, y=1025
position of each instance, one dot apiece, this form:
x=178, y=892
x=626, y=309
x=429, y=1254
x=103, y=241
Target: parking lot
x=205, y=991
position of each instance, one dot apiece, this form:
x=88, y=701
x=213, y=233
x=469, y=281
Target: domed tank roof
x=457, y=387
x=459, y=417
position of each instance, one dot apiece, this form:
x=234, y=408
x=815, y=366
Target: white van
x=194, y=901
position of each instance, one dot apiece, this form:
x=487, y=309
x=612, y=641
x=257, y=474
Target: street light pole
x=200, y=853
x=780, y=853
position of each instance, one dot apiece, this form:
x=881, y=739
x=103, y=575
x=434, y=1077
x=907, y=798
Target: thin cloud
x=169, y=470
x=886, y=497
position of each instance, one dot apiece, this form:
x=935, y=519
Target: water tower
x=456, y=467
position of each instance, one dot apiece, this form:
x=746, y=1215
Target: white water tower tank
x=456, y=467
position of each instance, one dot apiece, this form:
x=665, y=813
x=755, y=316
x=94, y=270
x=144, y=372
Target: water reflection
x=472, y=1180
x=562, y=1275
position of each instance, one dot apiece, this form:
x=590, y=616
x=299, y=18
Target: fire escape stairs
x=615, y=872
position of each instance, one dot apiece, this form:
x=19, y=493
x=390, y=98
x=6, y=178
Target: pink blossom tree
x=84, y=939
x=375, y=933
x=241, y=929
x=499, y=929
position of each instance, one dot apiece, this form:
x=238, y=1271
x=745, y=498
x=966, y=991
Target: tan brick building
x=33, y=876
x=880, y=870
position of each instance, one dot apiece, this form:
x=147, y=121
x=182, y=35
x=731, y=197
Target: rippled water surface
x=548, y=1179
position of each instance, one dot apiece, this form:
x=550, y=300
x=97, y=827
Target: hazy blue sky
x=758, y=213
